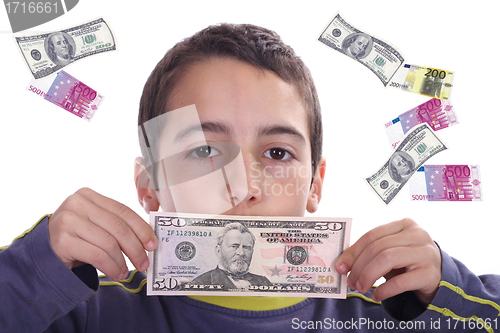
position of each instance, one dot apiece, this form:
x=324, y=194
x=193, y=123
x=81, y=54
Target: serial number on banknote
x=309, y=269
x=185, y=233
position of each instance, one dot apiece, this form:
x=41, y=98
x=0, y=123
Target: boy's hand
x=400, y=251
x=91, y=228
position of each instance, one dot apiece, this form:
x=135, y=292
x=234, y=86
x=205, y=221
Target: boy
x=251, y=90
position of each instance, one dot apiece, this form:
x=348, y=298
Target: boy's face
x=263, y=115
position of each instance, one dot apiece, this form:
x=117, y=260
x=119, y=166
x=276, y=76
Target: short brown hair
x=257, y=46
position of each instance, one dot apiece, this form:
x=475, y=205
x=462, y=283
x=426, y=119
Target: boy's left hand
x=402, y=252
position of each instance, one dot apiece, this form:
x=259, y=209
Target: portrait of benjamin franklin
x=401, y=166
x=357, y=45
x=60, y=48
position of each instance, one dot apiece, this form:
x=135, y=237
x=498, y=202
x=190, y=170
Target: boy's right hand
x=93, y=229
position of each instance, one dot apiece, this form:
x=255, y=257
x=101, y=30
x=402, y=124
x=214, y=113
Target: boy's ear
x=143, y=184
x=317, y=187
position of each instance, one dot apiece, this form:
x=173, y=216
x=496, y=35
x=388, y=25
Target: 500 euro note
x=68, y=93
x=436, y=113
x=446, y=183
x=247, y=256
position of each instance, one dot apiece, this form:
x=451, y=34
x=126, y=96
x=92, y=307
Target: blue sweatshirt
x=39, y=293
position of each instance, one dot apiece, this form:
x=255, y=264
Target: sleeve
x=463, y=302
x=36, y=287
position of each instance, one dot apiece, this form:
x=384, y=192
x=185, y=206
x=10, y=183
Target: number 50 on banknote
x=247, y=256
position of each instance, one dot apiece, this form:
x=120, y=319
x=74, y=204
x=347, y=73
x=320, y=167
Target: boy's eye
x=204, y=152
x=277, y=154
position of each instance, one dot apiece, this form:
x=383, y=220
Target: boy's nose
x=244, y=182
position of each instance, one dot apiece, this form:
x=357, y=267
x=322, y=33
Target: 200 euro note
x=428, y=81
x=247, y=256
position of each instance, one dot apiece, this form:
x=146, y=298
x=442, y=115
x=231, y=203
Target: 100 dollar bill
x=247, y=256
x=47, y=53
x=417, y=146
x=428, y=81
x=380, y=57
x=453, y=182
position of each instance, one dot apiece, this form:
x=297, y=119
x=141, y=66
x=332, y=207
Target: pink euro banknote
x=68, y=93
x=437, y=113
x=446, y=183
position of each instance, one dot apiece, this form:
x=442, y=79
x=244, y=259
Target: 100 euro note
x=453, y=182
x=436, y=113
x=428, y=81
x=379, y=56
x=417, y=146
x=247, y=256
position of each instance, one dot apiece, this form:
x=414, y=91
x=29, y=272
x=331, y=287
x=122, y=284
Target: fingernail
x=349, y=283
x=144, y=265
x=374, y=297
x=122, y=276
x=342, y=269
x=358, y=286
x=150, y=245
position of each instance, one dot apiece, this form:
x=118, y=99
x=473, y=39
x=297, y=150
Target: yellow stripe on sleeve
x=460, y=291
x=368, y=299
x=25, y=232
x=451, y=314
x=121, y=283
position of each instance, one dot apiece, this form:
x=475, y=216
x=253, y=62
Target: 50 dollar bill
x=247, y=256
x=417, y=146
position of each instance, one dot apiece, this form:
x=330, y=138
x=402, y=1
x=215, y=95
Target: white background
x=48, y=153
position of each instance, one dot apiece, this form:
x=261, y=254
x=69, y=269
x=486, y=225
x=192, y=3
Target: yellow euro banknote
x=428, y=81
